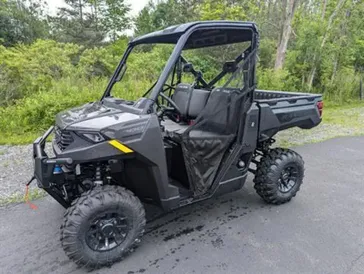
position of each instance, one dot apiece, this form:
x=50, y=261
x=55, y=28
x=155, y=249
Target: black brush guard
x=44, y=166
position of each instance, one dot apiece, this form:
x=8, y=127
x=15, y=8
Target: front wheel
x=102, y=226
x=279, y=175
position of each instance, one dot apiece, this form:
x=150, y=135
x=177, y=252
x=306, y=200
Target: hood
x=92, y=116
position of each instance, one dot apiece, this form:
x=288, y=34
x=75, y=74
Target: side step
x=183, y=191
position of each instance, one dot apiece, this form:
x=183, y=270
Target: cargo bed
x=281, y=110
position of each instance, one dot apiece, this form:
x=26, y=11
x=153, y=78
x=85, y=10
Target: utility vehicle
x=180, y=143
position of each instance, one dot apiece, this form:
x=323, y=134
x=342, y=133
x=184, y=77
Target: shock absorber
x=98, y=180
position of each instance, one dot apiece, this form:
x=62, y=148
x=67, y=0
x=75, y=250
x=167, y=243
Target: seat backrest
x=189, y=100
x=221, y=113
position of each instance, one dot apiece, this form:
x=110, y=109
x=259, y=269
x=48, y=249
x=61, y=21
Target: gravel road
x=320, y=231
x=15, y=168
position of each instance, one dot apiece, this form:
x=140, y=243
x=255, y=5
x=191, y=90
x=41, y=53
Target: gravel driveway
x=15, y=169
x=320, y=231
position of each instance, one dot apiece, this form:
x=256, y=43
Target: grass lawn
x=34, y=194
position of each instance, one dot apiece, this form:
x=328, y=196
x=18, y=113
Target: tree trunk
x=324, y=5
x=323, y=42
x=269, y=6
x=81, y=12
x=286, y=33
x=281, y=14
x=334, y=69
x=96, y=18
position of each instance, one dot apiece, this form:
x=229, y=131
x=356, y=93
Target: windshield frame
x=153, y=95
x=173, y=58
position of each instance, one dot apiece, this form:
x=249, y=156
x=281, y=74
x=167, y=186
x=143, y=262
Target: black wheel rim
x=107, y=231
x=288, y=178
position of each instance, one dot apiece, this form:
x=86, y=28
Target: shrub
x=26, y=69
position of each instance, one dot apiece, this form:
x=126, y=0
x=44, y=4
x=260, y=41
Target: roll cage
x=192, y=36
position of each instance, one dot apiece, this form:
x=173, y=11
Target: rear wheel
x=279, y=175
x=102, y=226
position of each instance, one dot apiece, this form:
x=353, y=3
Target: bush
x=26, y=69
x=274, y=80
x=344, y=87
x=32, y=115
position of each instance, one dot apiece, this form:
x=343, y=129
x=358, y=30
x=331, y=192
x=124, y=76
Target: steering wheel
x=173, y=108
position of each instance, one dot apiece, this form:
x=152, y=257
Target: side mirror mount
x=230, y=66
x=188, y=67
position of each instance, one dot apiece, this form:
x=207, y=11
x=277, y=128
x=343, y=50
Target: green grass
x=25, y=138
x=34, y=194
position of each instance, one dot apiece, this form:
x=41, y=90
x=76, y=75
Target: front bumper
x=51, y=180
x=44, y=166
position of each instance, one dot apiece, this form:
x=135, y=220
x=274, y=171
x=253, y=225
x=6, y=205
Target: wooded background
x=48, y=63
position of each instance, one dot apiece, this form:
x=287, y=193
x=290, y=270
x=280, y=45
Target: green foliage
x=38, y=78
x=96, y=62
x=165, y=14
x=266, y=54
x=223, y=9
x=114, y=17
x=118, y=47
x=344, y=86
x=58, y=81
x=35, y=113
x=274, y=80
x=28, y=69
x=20, y=22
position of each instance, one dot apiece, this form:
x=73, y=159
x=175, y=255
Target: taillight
x=320, y=106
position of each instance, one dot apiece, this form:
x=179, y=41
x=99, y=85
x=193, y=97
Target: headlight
x=94, y=137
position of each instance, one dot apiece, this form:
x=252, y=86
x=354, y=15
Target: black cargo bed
x=281, y=110
x=271, y=97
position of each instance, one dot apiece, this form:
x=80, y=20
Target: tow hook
x=26, y=196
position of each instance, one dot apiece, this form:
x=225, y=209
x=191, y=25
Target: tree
x=90, y=22
x=165, y=14
x=21, y=22
x=324, y=39
x=143, y=22
x=75, y=23
x=288, y=12
x=115, y=17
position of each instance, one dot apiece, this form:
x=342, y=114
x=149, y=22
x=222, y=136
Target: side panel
x=284, y=114
x=250, y=130
x=150, y=151
x=248, y=141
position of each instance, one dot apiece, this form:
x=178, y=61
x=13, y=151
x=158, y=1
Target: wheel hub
x=288, y=179
x=107, y=231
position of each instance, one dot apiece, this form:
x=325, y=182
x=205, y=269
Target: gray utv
x=179, y=144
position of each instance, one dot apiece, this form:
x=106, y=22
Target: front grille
x=63, y=138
